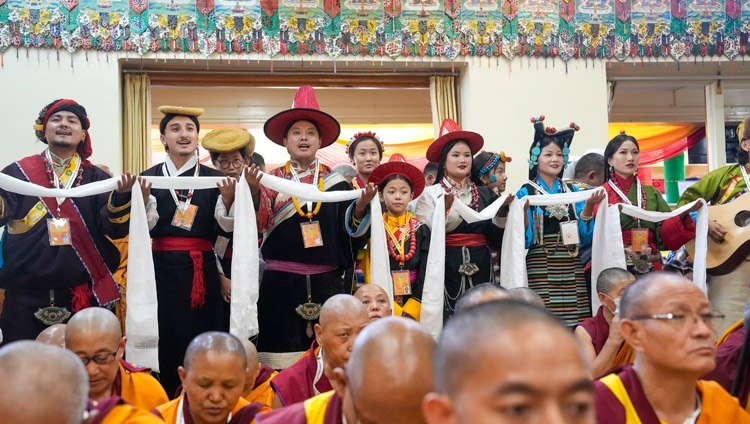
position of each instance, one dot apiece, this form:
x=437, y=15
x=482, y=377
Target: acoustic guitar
x=722, y=258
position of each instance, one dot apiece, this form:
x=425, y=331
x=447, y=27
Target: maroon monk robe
x=295, y=384
x=297, y=413
x=727, y=357
x=598, y=328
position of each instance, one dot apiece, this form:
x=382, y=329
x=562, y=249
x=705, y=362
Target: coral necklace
x=397, y=251
x=321, y=186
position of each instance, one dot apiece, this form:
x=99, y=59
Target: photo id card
x=639, y=239
x=184, y=216
x=59, y=231
x=569, y=232
x=401, y=283
x=311, y=236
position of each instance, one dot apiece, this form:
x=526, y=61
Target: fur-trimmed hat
x=304, y=108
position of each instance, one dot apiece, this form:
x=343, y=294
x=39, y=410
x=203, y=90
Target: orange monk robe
x=620, y=399
x=243, y=412
x=116, y=411
x=262, y=391
x=136, y=386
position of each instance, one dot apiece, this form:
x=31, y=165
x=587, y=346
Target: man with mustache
x=56, y=259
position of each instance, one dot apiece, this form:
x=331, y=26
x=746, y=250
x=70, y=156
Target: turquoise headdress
x=564, y=138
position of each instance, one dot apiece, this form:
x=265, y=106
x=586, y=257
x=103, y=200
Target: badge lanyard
x=67, y=185
x=625, y=199
x=295, y=177
x=165, y=171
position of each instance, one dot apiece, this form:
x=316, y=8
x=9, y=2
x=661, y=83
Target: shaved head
x=636, y=296
x=53, y=335
x=253, y=366
x=42, y=383
x=375, y=300
x=216, y=342
x=506, y=361
x=391, y=363
x=342, y=317
x=481, y=293
x=525, y=294
x=609, y=279
x=478, y=325
x=94, y=321
x=340, y=307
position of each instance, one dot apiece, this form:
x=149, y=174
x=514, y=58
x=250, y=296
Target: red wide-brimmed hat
x=407, y=170
x=450, y=131
x=305, y=107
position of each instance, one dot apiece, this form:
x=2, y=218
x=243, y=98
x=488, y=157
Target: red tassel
x=81, y=297
x=198, y=292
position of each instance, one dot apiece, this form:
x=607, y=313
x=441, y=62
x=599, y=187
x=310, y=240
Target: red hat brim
x=276, y=126
x=407, y=170
x=474, y=140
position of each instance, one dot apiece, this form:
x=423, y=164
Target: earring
x=611, y=170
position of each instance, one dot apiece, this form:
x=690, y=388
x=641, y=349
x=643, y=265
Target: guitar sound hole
x=742, y=219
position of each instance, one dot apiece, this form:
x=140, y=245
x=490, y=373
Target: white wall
x=27, y=84
x=498, y=98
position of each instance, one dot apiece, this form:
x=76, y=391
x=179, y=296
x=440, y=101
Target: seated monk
x=600, y=335
x=388, y=374
x=669, y=324
x=506, y=361
x=116, y=411
x=95, y=335
x=212, y=376
x=53, y=335
x=376, y=301
x=728, y=350
x=41, y=384
x=257, y=378
x=342, y=317
x=481, y=293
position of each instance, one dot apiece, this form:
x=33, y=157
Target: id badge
x=311, y=236
x=639, y=239
x=401, y=283
x=59, y=231
x=221, y=245
x=569, y=232
x=184, y=216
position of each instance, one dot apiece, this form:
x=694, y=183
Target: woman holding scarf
x=468, y=246
x=554, y=233
x=642, y=239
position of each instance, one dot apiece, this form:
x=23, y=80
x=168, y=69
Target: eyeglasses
x=680, y=320
x=236, y=163
x=100, y=359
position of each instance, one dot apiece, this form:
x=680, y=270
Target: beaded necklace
x=66, y=179
x=321, y=186
x=396, y=243
x=450, y=186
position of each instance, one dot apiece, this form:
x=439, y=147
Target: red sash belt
x=468, y=240
x=196, y=246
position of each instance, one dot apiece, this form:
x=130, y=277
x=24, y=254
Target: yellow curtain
x=442, y=100
x=136, y=123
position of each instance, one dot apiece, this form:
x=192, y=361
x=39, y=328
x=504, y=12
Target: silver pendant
x=52, y=315
x=557, y=211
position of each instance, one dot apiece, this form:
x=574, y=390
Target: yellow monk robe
x=243, y=412
x=325, y=408
x=116, y=411
x=121, y=278
x=262, y=391
x=136, y=386
x=620, y=400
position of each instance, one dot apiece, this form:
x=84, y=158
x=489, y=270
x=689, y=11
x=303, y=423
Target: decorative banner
x=596, y=29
